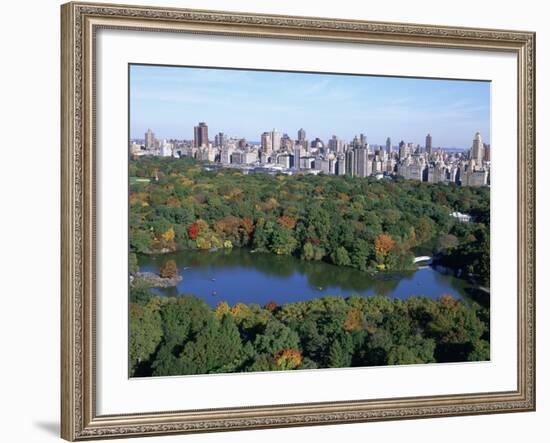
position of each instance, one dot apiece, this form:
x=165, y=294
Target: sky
x=245, y=103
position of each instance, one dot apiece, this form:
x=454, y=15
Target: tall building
x=478, y=150
x=388, y=146
x=297, y=155
x=335, y=144
x=226, y=153
x=350, y=163
x=340, y=168
x=220, y=140
x=429, y=144
x=487, y=155
x=471, y=176
x=166, y=149
x=201, y=135
x=149, y=139
x=362, y=162
x=363, y=139
x=412, y=168
x=287, y=143
x=276, y=140
x=301, y=135
x=267, y=144
x=402, y=150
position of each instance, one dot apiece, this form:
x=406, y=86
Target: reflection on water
x=243, y=276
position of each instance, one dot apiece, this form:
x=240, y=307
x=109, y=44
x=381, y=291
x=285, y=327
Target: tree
x=287, y=221
x=145, y=333
x=341, y=352
x=282, y=242
x=169, y=235
x=383, y=244
x=354, y=320
x=308, y=253
x=169, y=269
x=217, y=348
x=275, y=337
x=360, y=255
x=287, y=359
x=193, y=231
x=340, y=257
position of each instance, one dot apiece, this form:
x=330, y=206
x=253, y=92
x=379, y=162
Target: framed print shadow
x=277, y=221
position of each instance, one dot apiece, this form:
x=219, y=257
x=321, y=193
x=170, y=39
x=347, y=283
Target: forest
x=183, y=335
x=369, y=224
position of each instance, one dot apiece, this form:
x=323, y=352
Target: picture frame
x=80, y=244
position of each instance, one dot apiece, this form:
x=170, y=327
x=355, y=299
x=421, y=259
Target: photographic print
x=303, y=220
x=275, y=220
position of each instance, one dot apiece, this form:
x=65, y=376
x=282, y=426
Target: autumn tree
x=193, y=231
x=169, y=269
x=354, y=320
x=383, y=244
x=169, y=235
x=287, y=359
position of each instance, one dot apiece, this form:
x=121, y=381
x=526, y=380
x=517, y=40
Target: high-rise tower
x=201, y=135
x=429, y=144
x=478, y=150
x=149, y=139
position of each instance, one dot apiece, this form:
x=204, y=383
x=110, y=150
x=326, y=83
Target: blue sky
x=171, y=100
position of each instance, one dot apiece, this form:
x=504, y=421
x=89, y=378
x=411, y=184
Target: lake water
x=242, y=276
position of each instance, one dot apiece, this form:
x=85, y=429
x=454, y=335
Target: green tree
x=340, y=257
x=145, y=332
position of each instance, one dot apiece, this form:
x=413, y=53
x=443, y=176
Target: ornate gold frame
x=79, y=21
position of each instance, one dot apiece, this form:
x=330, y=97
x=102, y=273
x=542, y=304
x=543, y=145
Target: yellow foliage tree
x=222, y=309
x=288, y=359
x=169, y=235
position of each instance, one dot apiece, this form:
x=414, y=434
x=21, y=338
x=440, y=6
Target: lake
x=242, y=276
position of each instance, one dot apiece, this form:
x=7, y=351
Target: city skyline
x=173, y=99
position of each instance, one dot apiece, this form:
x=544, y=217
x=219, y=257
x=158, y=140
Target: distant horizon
x=172, y=100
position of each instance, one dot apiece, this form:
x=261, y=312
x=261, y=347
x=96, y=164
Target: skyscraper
x=267, y=145
x=478, y=150
x=487, y=155
x=297, y=155
x=149, y=139
x=201, y=135
x=220, y=140
x=301, y=135
x=388, y=146
x=362, y=162
x=429, y=144
x=350, y=163
x=276, y=140
x=335, y=144
x=402, y=150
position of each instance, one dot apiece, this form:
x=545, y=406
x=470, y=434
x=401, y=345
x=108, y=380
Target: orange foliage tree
x=287, y=221
x=354, y=320
x=383, y=244
x=288, y=359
